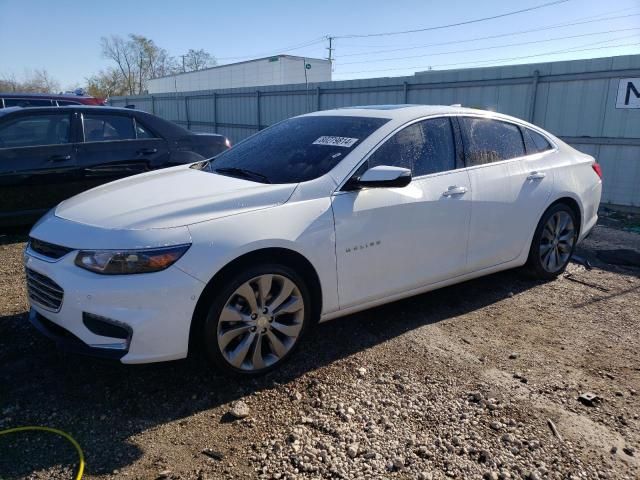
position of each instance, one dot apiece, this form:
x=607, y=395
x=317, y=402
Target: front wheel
x=553, y=242
x=257, y=320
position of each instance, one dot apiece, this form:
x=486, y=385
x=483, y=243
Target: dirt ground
x=478, y=380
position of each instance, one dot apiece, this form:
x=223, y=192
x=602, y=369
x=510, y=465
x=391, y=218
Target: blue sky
x=63, y=36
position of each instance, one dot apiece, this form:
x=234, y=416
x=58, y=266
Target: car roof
x=43, y=95
x=403, y=113
x=96, y=108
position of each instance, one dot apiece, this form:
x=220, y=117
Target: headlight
x=125, y=262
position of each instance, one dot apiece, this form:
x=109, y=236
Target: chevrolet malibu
x=314, y=218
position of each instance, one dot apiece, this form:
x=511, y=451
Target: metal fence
x=575, y=100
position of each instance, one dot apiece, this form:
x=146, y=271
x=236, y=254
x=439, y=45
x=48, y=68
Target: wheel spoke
x=544, y=249
x=229, y=335
x=290, y=306
x=256, y=358
x=278, y=348
x=264, y=287
x=238, y=355
x=246, y=291
x=285, y=293
x=231, y=314
x=288, y=330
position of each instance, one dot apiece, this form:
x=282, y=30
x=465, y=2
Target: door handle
x=536, y=176
x=147, y=151
x=454, y=190
x=59, y=158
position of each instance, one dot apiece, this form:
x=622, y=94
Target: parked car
x=47, y=100
x=314, y=218
x=48, y=154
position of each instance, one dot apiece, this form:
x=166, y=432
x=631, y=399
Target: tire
x=250, y=337
x=553, y=242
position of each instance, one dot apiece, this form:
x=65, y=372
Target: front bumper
x=157, y=308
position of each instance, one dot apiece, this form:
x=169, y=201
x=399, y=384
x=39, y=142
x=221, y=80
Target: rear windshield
x=296, y=150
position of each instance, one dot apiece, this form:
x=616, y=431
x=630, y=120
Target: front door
x=394, y=240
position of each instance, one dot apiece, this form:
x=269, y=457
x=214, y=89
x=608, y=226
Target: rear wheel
x=553, y=242
x=257, y=320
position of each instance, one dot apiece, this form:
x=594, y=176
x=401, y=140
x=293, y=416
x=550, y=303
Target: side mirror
x=382, y=176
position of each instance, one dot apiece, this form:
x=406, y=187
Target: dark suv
x=46, y=100
x=50, y=154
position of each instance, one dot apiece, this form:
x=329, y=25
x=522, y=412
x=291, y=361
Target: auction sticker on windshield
x=336, y=141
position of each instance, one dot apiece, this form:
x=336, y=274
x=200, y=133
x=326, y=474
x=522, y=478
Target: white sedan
x=314, y=218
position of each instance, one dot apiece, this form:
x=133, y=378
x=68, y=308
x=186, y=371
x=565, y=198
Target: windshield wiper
x=243, y=173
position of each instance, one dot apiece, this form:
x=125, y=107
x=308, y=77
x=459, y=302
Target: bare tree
x=36, y=81
x=107, y=83
x=197, y=60
x=138, y=59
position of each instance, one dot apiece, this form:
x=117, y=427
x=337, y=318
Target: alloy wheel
x=556, y=243
x=260, y=322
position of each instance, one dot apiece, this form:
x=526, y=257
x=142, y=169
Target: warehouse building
x=278, y=70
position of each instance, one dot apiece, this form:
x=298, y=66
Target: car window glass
x=529, y=144
x=142, y=132
x=541, y=143
x=424, y=147
x=34, y=130
x=298, y=149
x=26, y=102
x=104, y=128
x=488, y=140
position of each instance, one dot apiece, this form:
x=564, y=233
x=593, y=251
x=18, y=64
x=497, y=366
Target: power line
x=573, y=49
x=490, y=37
x=490, y=48
x=439, y=27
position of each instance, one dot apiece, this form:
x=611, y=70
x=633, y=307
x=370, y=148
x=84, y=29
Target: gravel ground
x=478, y=380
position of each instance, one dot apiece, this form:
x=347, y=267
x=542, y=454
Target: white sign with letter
x=628, y=93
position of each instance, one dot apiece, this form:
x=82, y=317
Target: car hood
x=170, y=198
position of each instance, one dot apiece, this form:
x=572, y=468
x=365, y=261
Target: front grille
x=48, y=249
x=44, y=291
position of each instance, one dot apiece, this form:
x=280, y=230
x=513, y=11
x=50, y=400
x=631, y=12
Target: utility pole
x=330, y=38
x=183, y=67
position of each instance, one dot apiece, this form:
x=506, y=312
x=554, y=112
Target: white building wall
x=262, y=72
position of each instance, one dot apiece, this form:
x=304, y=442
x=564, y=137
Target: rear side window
x=423, y=147
x=535, y=142
x=35, y=130
x=26, y=102
x=487, y=140
x=105, y=128
x=142, y=132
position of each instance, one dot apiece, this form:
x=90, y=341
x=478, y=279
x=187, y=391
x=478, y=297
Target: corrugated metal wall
x=574, y=100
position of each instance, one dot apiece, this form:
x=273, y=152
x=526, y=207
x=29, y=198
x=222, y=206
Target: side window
x=424, y=147
x=142, y=131
x=488, y=140
x=35, y=130
x=26, y=102
x=105, y=128
x=534, y=142
x=541, y=143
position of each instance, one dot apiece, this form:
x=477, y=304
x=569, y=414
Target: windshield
x=296, y=150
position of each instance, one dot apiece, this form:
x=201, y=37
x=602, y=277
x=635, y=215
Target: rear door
x=38, y=166
x=116, y=146
x=493, y=153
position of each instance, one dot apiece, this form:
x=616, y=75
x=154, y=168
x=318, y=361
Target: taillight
x=597, y=168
